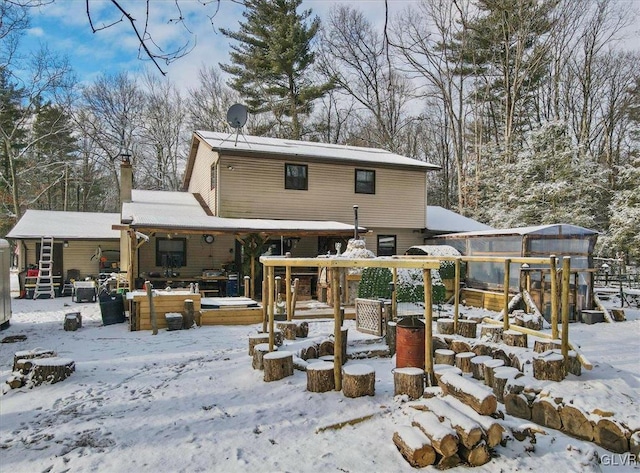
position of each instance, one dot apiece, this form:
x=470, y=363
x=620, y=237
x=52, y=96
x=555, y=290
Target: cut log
x=302, y=329
x=188, y=315
x=51, y=370
x=414, y=446
x=575, y=423
x=445, y=326
x=438, y=343
x=517, y=405
x=477, y=366
x=467, y=328
x=549, y=366
x=444, y=439
x=514, y=339
x=540, y=346
x=326, y=348
x=475, y=456
x=544, y=411
x=617, y=315
x=500, y=378
x=533, y=321
x=477, y=397
x=463, y=361
x=489, y=367
x=501, y=354
x=29, y=355
x=70, y=323
x=288, y=329
x=444, y=463
x=482, y=349
x=320, y=377
x=573, y=364
x=491, y=333
x=277, y=365
x=492, y=428
x=460, y=346
x=390, y=337
x=443, y=356
x=259, y=351
x=309, y=353
x=358, y=380
x=469, y=432
x=408, y=381
x=611, y=435
x=256, y=339
x=440, y=369
x=16, y=381
x=634, y=444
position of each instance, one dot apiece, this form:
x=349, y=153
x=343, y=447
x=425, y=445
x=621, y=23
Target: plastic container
x=112, y=309
x=232, y=286
x=410, y=333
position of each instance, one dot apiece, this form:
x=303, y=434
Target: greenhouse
x=560, y=240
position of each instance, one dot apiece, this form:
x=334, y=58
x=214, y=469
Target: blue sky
x=63, y=26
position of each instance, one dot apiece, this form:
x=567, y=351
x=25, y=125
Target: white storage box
x=85, y=291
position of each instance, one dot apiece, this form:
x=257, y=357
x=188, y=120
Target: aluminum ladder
x=44, y=282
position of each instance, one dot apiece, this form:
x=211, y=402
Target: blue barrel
x=232, y=285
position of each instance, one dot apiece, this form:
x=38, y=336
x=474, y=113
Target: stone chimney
x=126, y=179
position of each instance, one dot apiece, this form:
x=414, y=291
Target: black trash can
x=112, y=308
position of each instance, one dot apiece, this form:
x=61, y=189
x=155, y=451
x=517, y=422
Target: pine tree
x=271, y=61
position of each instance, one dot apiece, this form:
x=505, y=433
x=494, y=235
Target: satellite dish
x=237, y=116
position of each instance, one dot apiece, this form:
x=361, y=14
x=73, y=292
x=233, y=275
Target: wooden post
x=265, y=301
x=294, y=297
x=456, y=295
x=287, y=287
x=566, y=278
x=394, y=302
x=270, y=284
x=428, y=326
x=247, y=285
x=152, y=310
x=507, y=268
x=253, y=278
x=337, y=326
x=554, y=297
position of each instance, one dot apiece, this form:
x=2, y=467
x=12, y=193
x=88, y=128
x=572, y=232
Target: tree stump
x=444, y=439
x=256, y=339
x=358, y=380
x=477, y=366
x=489, y=367
x=326, y=348
x=70, y=323
x=51, y=370
x=475, y=456
x=491, y=333
x=463, y=361
x=611, y=435
x=576, y=423
x=259, y=351
x=482, y=349
x=549, y=366
x=467, y=328
x=31, y=354
x=545, y=412
x=302, y=329
x=467, y=391
x=530, y=321
x=445, y=326
x=517, y=405
x=440, y=369
x=460, y=346
x=409, y=381
x=540, y=346
x=188, y=315
x=320, y=377
x=288, y=329
x=414, y=446
x=514, y=338
x=309, y=353
x=277, y=365
x=77, y=315
x=573, y=364
x=390, y=337
x=442, y=356
x=500, y=377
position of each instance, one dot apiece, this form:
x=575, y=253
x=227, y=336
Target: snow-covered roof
x=440, y=219
x=162, y=209
x=553, y=229
x=223, y=142
x=66, y=225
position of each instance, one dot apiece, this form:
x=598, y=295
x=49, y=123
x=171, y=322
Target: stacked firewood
x=446, y=433
x=37, y=366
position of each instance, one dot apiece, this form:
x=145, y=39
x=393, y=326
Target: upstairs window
x=386, y=245
x=296, y=177
x=365, y=181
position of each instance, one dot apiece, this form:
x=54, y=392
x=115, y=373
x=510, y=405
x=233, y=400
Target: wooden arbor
x=271, y=262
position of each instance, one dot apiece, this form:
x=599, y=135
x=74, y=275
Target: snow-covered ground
x=190, y=401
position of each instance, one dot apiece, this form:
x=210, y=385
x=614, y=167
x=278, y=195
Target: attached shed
x=561, y=240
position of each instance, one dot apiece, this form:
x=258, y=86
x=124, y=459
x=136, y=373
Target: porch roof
x=182, y=212
x=35, y=224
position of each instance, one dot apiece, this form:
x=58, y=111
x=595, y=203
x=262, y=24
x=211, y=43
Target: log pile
x=480, y=399
x=414, y=446
x=38, y=366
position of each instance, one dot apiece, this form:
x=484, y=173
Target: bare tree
x=209, y=102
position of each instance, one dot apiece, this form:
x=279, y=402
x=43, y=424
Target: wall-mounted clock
x=208, y=239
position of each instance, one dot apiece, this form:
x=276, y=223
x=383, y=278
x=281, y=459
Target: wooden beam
x=456, y=295
x=428, y=322
x=566, y=279
x=507, y=274
x=337, y=329
x=554, y=297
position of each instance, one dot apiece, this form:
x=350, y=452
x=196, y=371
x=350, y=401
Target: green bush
x=448, y=270
x=375, y=283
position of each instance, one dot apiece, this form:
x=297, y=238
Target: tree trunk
x=500, y=378
x=188, y=316
x=320, y=377
x=288, y=329
x=302, y=329
x=489, y=367
x=391, y=337
x=460, y=346
x=481, y=401
x=256, y=339
x=491, y=333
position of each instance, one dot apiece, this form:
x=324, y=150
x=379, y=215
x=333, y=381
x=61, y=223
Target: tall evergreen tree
x=271, y=62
